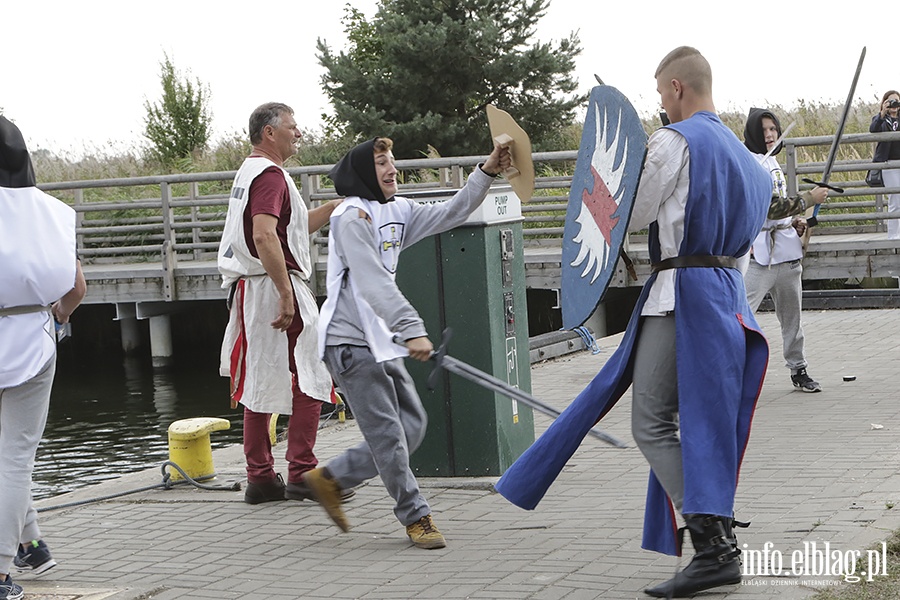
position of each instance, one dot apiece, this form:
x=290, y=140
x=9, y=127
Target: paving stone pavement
x=819, y=468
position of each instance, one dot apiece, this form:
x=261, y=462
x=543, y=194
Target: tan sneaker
x=327, y=492
x=424, y=534
x=299, y=491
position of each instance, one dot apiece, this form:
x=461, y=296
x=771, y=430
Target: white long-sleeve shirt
x=661, y=197
x=778, y=241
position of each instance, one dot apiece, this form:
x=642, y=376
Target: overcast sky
x=78, y=73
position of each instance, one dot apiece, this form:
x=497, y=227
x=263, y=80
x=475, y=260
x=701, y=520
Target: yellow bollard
x=189, y=446
x=340, y=407
x=273, y=430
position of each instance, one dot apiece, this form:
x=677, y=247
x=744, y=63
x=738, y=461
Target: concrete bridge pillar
x=126, y=315
x=161, y=341
x=131, y=334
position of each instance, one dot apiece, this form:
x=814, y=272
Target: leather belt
x=680, y=262
x=23, y=310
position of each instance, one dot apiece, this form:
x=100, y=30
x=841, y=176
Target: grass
x=813, y=119
x=881, y=588
x=227, y=154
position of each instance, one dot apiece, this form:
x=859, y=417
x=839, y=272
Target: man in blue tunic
x=692, y=350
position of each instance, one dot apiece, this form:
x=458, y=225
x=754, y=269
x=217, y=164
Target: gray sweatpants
x=392, y=420
x=23, y=414
x=654, y=404
x=783, y=282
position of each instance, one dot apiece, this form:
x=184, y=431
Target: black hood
x=15, y=163
x=753, y=131
x=354, y=174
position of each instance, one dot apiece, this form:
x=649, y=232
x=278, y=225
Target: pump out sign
x=501, y=204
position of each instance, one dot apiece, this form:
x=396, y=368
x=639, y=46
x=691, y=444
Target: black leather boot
x=715, y=560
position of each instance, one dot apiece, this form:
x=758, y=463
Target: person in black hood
x=754, y=137
x=367, y=327
x=775, y=264
x=15, y=162
x=761, y=130
x=354, y=174
x=40, y=280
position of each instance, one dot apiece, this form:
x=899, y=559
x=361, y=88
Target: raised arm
x=428, y=219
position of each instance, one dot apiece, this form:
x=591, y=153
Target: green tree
x=422, y=72
x=178, y=125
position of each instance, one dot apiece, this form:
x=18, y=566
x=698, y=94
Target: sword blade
x=479, y=377
x=832, y=153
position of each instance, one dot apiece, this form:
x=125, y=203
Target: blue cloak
x=721, y=353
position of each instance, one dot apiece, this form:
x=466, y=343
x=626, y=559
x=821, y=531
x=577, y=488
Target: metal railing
x=859, y=208
x=173, y=218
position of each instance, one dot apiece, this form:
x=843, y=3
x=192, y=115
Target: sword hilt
x=438, y=357
x=833, y=188
x=814, y=220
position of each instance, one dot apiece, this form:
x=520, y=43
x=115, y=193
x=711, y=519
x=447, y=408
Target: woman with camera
x=887, y=120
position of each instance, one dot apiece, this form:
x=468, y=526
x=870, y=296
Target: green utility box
x=472, y=279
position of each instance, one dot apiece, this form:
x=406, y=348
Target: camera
x=893, y=103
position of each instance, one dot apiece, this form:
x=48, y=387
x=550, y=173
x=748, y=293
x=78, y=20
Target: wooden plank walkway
x=832, y=256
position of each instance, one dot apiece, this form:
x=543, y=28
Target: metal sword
x=832, y=153
x=444, y=361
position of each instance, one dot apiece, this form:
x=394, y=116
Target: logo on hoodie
x=391, y=236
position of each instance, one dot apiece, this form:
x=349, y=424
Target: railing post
x=165, y=195
x=456, y=176
x=79, y=218
x=306, y=192
x=193, y=192
x=169, y=256
x=791, y=168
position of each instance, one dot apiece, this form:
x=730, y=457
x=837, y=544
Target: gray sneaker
x=803, y=382
x=34, y=558
x=10, y=590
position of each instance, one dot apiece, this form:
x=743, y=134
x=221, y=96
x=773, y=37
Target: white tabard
x=37, y=268
x=252, y=348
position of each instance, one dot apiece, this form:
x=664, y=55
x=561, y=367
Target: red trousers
x=302, y=428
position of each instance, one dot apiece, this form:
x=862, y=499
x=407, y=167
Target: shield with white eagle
x=607, y=172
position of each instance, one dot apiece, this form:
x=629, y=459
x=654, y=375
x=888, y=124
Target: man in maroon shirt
x=270, y=342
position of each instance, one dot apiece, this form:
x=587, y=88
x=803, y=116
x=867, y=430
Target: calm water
x=110, y=419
